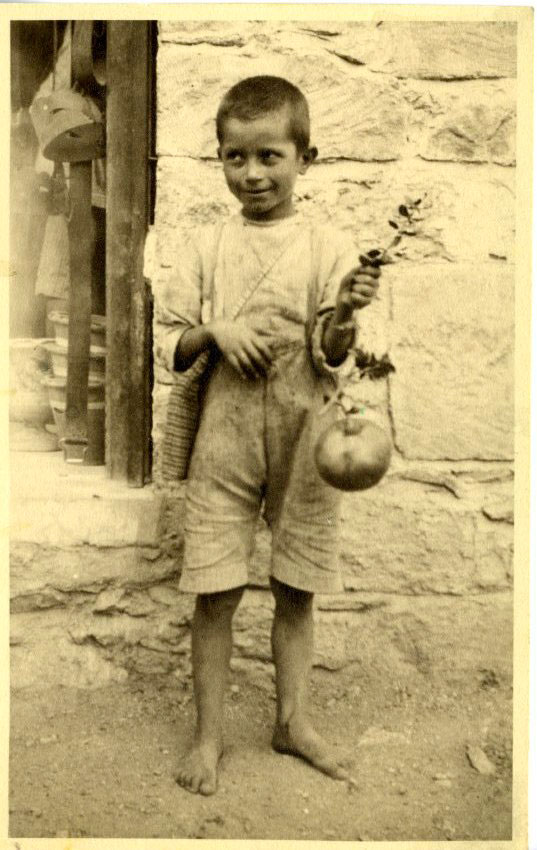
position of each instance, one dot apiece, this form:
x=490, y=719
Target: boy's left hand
x=359, y=287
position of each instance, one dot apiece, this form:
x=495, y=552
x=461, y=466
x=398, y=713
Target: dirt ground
x=101, y=763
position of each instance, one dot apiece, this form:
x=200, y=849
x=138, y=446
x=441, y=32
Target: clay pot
x=60, y=321
x=29, y=410
x=58, y=355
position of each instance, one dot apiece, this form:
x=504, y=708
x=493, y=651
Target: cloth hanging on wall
x=52, y=278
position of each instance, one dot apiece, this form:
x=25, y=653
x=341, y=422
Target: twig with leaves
x=406, y=223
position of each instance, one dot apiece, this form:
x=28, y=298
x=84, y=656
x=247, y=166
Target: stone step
x=57, y=504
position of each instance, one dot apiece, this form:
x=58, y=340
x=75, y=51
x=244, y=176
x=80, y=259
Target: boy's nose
x=253, y=170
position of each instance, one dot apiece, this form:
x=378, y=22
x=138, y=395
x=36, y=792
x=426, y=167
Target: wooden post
x=80, y=250
x=128, y=116
x=80, y=228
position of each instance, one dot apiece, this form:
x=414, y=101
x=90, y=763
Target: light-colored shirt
x=281, y=273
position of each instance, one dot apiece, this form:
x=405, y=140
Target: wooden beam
x=128, y=117
x=80, y=250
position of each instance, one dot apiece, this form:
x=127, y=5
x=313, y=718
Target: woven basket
x=184, y=408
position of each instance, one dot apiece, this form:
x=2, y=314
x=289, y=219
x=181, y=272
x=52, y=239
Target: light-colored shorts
x=253, y=453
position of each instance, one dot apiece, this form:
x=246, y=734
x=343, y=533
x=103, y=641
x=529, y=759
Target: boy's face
x=261, y=164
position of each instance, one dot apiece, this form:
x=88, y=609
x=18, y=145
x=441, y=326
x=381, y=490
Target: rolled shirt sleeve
x=338, y=257
x=178, y=299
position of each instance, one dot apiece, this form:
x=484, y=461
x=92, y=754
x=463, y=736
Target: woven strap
x=313, y=291
x=187, y=392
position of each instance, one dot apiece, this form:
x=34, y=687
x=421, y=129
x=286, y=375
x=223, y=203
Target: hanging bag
x=182, y=420
x=52, y=279
x=186, y=400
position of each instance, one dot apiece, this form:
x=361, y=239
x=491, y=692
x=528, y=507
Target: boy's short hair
x=256, y=96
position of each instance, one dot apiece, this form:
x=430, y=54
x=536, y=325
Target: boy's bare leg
x=292, y=648
x=211, y=651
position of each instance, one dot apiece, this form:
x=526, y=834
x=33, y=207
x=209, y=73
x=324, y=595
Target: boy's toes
x=207, y=786
x=197, y=773
x=182, y=779
x=190, y=782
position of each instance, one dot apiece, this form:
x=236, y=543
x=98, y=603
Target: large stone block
x=190, y=87
x=398, y=637
x=438, y=50
x=447, y=50
x=64, y=522
x=190, y=193
x=453, y=340
x=208, y=33
x=422, y=531
x=355, y=42
x=56, y=504
x=44, y=655
x=475, y=124
x=77, y=573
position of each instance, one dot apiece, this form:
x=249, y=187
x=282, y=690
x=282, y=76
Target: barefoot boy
x=298, y=285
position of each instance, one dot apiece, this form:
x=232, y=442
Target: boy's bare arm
x=356, y=291
x=192, y=342
x=245, y=348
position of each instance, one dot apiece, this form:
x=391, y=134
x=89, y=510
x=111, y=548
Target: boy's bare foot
x=197, y=772
x=298, y=738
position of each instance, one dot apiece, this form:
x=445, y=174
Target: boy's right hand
x=246, y=349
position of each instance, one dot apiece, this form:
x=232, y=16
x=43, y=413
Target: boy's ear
x=309, y=156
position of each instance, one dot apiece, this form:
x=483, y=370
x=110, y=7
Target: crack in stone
x=506, y=518
x=333, y=159
x=464, y=78
x=503, y=121
x=230, y=42
x=460, y=135
x=430, y=478
x=324, y=35
x=367, y=184
x=352, y=60
x=439, y=78
x=462, y=161
x=347, y=607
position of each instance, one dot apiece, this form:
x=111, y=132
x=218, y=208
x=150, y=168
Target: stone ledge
x=42, y=576
x=55, y=504
x=385, y=634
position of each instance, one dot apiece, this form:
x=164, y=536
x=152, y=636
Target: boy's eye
x=234, y=156
x=269, y=156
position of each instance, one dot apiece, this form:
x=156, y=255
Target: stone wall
x=399, y=110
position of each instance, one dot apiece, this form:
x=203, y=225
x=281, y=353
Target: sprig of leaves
x=369, y=366
x=405, y=222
